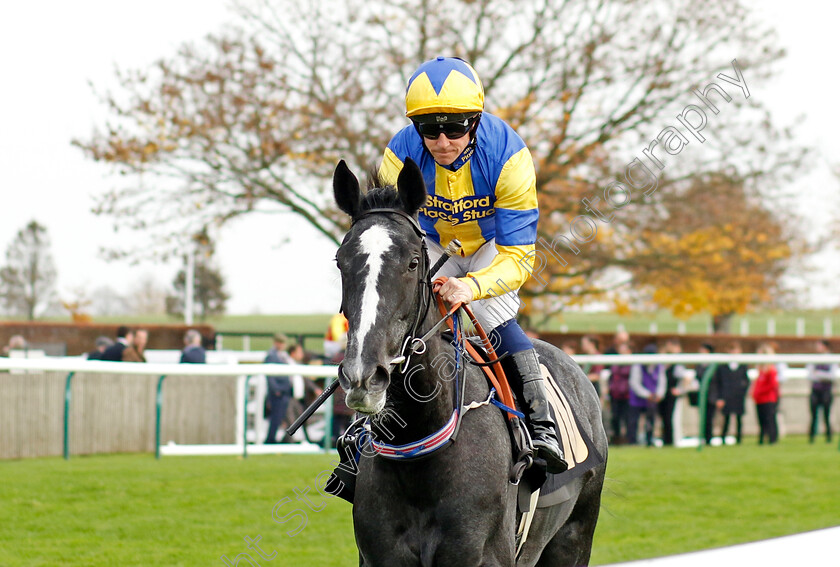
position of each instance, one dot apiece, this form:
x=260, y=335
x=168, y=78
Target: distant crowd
x=130, y=346
x=637, y=400
x=647, y=395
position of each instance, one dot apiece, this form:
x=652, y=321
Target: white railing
x=697, y=358
x=72, y=364
x=249, y=403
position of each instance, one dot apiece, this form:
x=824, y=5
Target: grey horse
x=456, y=506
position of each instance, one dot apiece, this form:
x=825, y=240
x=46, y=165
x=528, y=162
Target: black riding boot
x=538, y=412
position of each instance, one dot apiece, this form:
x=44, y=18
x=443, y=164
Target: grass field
x=131, y=510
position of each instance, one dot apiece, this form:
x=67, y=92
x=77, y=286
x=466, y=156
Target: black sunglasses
x=452, y=130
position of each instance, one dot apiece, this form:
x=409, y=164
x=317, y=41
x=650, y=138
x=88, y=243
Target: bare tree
x=27, y=281
x=255, y=119
x=210, y=296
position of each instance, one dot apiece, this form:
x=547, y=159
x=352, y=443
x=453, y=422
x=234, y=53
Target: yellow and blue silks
x=490, y=192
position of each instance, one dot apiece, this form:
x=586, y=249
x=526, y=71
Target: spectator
x=136, y=351
x=335, y=340
x=115, y=351
x=311, y=390
x=731, y=385
x=279, y=387
x=193, y=351
x=619, y=395
x=569, y=348
x=620, y=338
x=589, y=344
x=16, y=342
x=647, y=389
x=766, y=396
x=821, y=377
x=711, y=395
x=99, y=347
x=675, y=386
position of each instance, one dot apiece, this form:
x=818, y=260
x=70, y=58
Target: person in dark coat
x=279, y=388
x=619, y=396
x=115, y=351
x=193, y=351
x=731, y=385
x=821, y=377
x=100, y=345
x=694, y=397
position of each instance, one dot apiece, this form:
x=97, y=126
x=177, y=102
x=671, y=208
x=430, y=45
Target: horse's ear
x=411, y=187
x=348, y=195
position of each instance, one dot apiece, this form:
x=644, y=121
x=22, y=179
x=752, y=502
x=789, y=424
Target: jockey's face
x=446, y=151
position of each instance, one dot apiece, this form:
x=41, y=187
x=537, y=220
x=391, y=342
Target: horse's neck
x=422, y=399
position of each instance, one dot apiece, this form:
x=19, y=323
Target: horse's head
x=383, y=264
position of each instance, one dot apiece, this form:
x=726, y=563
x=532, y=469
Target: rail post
x=705, y=381
x=67, y=396
x=158, y=406
x=245, y=419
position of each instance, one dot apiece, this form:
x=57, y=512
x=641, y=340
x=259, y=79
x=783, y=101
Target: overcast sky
x=51, y=50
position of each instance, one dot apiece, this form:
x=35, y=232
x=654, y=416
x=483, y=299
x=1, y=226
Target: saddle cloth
x=578, y=448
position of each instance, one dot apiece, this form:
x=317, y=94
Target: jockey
x=481, y=188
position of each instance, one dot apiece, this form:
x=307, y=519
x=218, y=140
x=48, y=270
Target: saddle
x=577, y=446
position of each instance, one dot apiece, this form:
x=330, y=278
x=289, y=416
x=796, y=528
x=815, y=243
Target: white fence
x=119, y=403
x=122, y=406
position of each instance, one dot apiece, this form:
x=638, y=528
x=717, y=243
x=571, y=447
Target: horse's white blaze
x=374, y=242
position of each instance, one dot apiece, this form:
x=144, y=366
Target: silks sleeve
x=390, y=168
x=516, y=214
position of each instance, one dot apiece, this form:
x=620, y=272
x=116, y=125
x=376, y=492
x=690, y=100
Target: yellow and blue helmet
x=444, y=85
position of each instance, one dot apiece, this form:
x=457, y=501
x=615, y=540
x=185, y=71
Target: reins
x=412, y=344
x=498, y=380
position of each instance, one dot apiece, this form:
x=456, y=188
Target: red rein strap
x=499, y=380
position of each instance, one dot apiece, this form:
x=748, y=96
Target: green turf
x=131, y=510
x=666, y=501
x=183, y=511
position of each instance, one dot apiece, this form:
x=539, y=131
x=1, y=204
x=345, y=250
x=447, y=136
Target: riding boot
x=539, y=414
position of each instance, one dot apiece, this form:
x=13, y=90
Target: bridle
x=411, y=344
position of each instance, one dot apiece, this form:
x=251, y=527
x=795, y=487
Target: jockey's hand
x=456, y=291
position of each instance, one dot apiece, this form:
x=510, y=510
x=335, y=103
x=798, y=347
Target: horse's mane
x=379, y=195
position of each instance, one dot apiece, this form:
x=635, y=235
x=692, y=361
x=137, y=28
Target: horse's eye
x=414, y=263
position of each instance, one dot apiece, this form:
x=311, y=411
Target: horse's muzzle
x=365, y=395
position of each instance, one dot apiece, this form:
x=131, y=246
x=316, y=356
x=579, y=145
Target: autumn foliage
x=255, y=118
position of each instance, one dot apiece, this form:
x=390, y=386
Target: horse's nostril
x=343, y=380
x=378, y=381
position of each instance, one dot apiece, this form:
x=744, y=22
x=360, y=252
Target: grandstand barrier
x=119, y=407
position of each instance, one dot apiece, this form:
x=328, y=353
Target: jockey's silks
x=489, y=192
